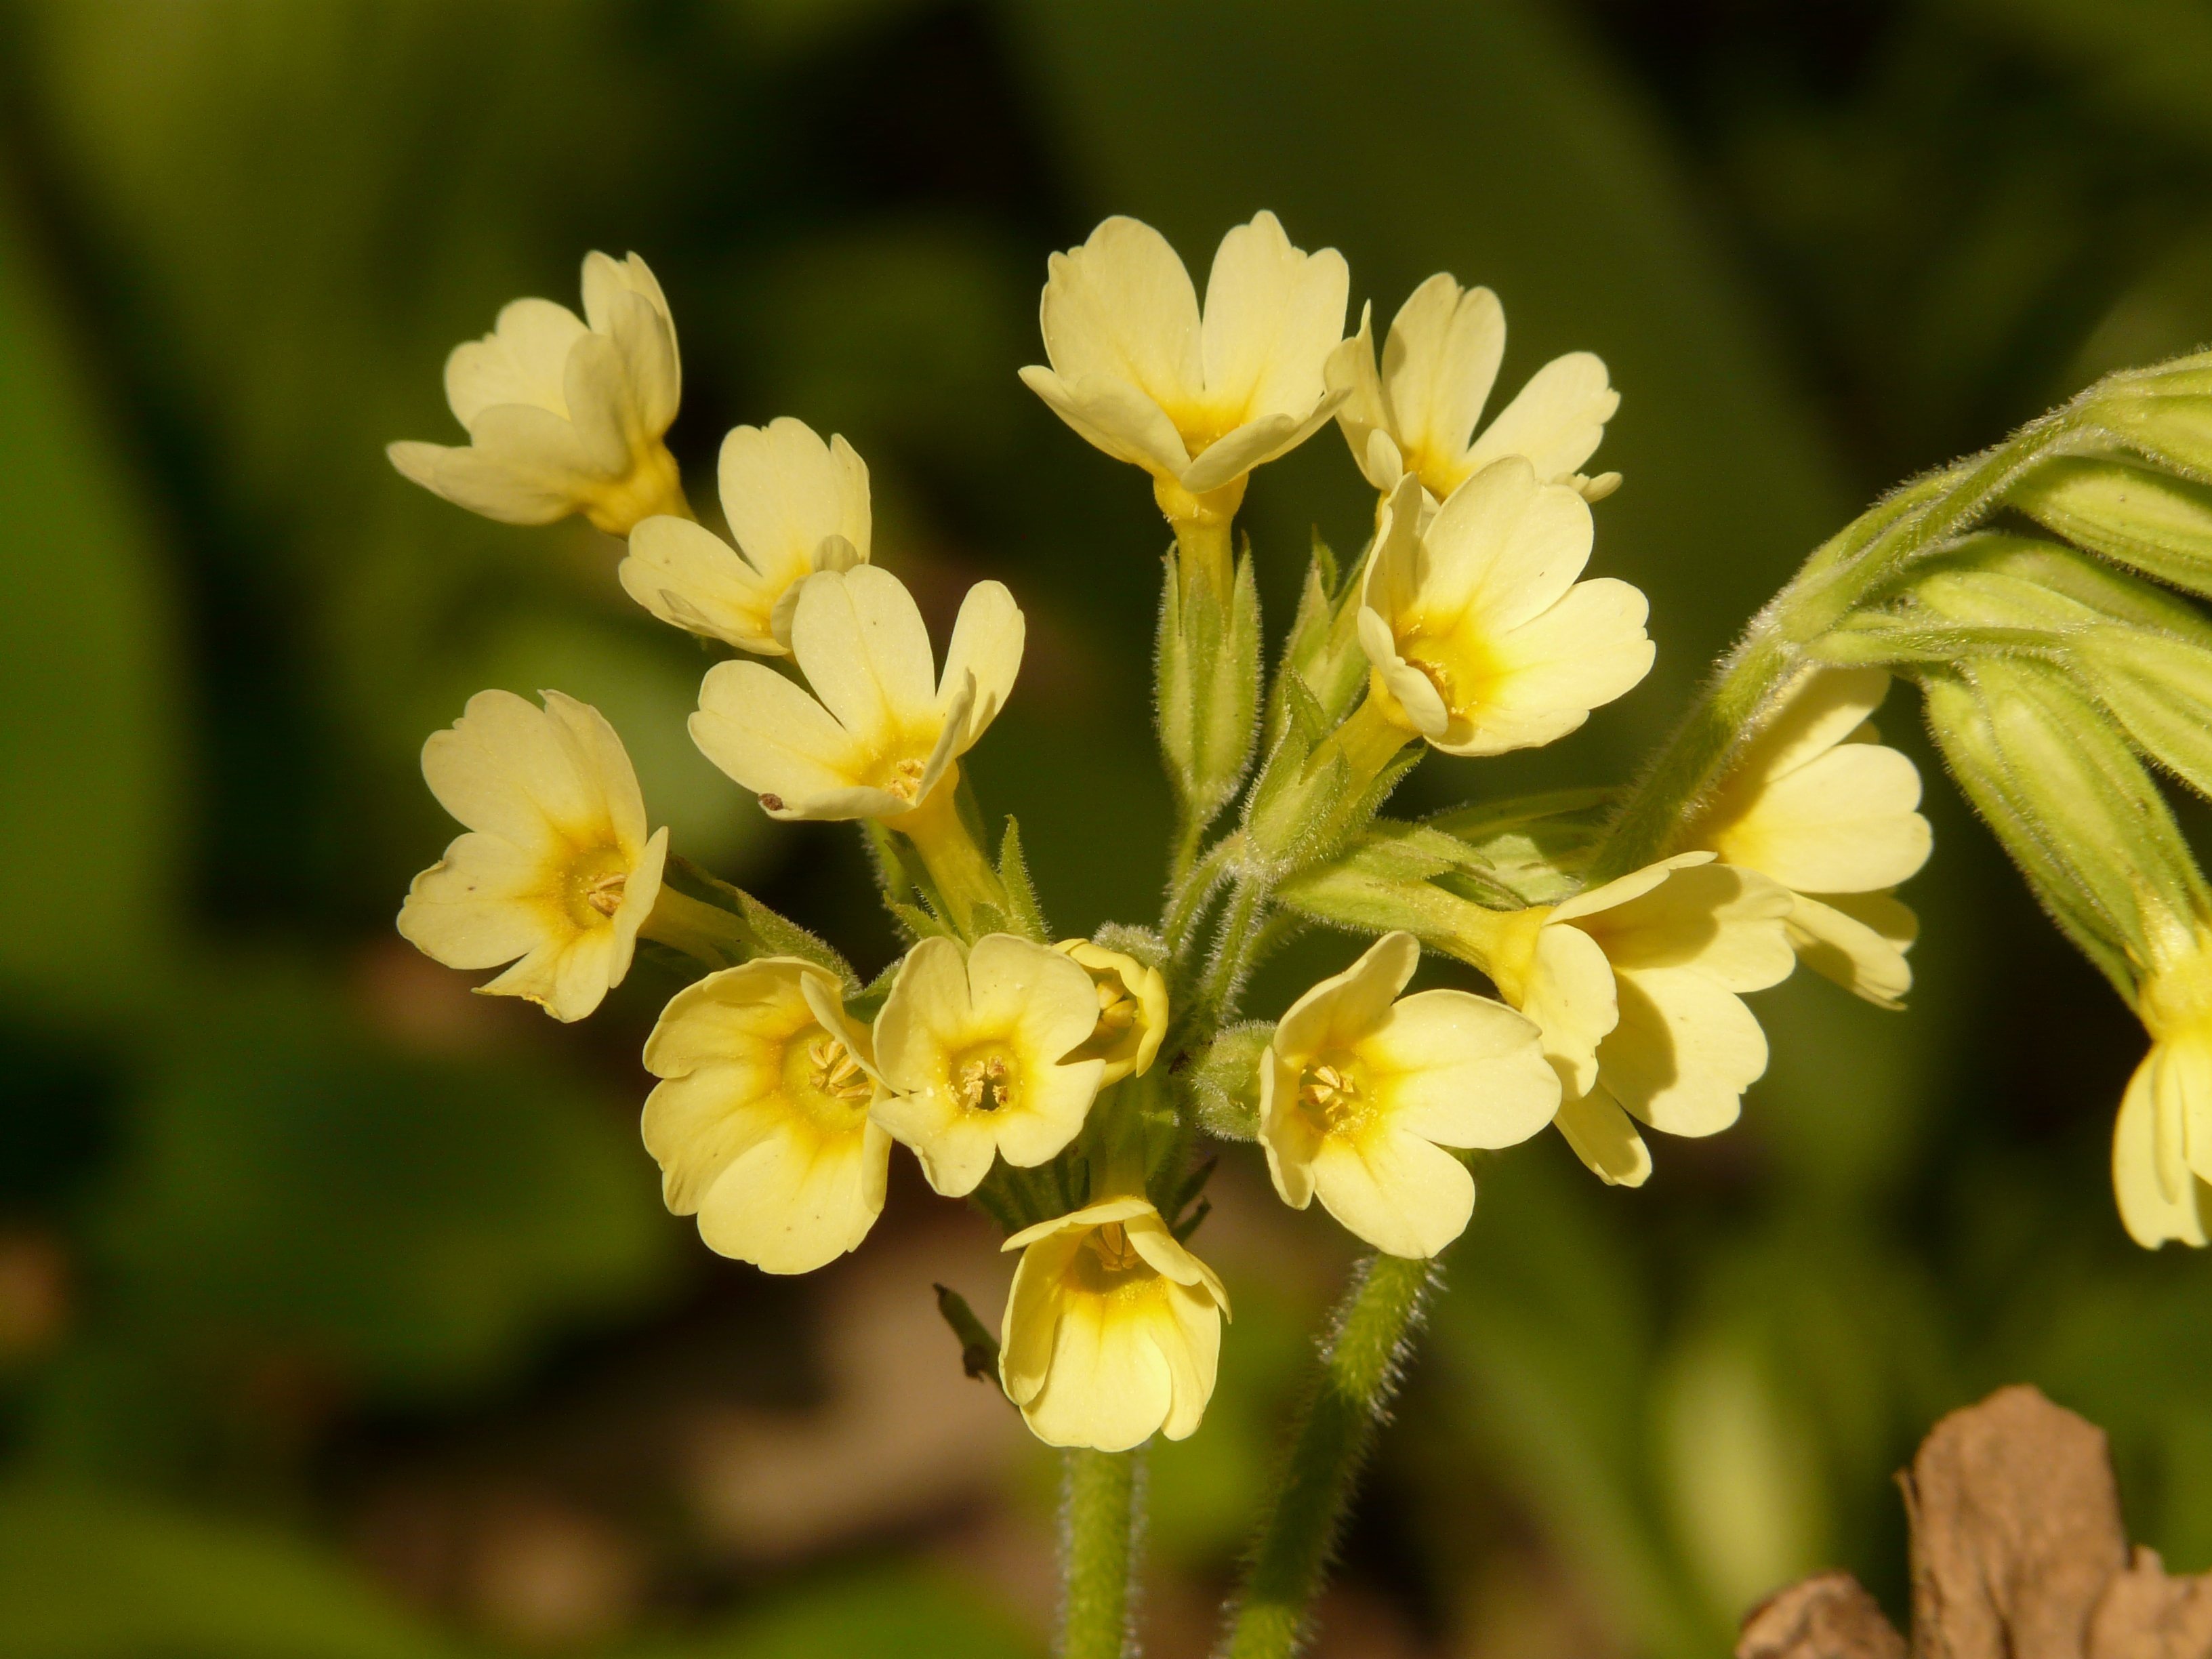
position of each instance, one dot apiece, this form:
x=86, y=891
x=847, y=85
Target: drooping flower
x=796, y=505
x=558, y=868
x=1133, y=1010
x=1112, y=1330
x=2162, y=1144
x=760, y=1124
x=1478, y=636
x=882, y=729
x=978, y=1054
x=1637, y=986
x=1198, y=402
x=564, y=415
x=1362, y=1091
x=1416, y=413
x=1817, y=803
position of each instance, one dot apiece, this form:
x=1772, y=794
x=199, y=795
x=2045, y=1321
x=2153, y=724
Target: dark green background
x=300, y=1249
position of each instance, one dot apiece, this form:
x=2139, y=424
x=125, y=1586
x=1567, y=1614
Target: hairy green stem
x=1186, y=897
x=1841, y=573
x=1235, y=950
x=1357, y=1376
x=1099, y=1553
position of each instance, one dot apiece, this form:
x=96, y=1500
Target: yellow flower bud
x=1133, y=1010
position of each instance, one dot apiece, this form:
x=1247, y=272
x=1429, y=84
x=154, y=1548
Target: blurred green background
x=338, y=1314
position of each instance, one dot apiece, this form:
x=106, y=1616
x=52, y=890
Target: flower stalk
x=1099, y=1551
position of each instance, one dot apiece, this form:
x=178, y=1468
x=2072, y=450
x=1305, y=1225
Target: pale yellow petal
x=697, y=1123
x=1842, y=822
x=785, y=492
x=1459, y=1070
x=1107, y=1385
x=1400, y=1193
x=1557, y=422
x=1054, y=1100
x=987, y=643
x=1622, y=888
x=1272, y=315
x=1605, y=1139
x=1504, y=550
x=1288, y=1137
x=2153, y=1206
x=1345, y=1008
x=1193, y=1353
x=798, y=1199
x=1571, y=997
x=601, y=411
x=645, y=343
x=775, y=740
x=1121, y=307
x=501, y=487
x=1350, y=372
x=690, y=578
x=601, y=767
x=736, y=1013
x=1818, y=709
x=1439, y=365
x=1116, y=416
x=1858, y=940
x=506, y=768
x=1255, y=442
x=522, y=361
x=860, y=641
x=1413, y=692
x=1728, y=922
x=1040, y=999
x=1684, y=1052
x=927, y=1012
x=480, y=905
x=1031, y=1324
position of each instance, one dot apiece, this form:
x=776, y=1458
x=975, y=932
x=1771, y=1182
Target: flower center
x=1111, y=1245
x=984, y=1083
x=1117, y=1011
x=905, y=779
x=835, y=1071
x=595, y=885
x=1329, y=1092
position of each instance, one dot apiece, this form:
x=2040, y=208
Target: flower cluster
x=1061, y=1084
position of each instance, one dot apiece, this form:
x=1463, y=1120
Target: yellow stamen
x=906, y=778
x=986, y=1085
x=837, y=1074
x=1330, y=1091
x=1115, y=1252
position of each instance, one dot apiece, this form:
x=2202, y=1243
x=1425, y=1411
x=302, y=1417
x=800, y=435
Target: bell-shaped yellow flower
x=2162, y=1144
x=1112, y=1330
x=1133, y=1010
x=760, y=1124
x=1478, y=636
x=1416, y=412
x=1196, y=401
x=557, y=869
x=1637, y=986
x=796, y=505
x=1362, y=1091
x=882, y=729
x=1817, y=803
x=564, y=415
x=976, y=1049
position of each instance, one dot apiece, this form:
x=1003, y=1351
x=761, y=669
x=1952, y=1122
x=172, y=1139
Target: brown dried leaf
x=1829, y=1616
x=2144, y=1614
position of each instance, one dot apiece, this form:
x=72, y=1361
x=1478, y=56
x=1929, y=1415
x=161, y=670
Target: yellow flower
x=795, y=506
x=558, y=869
x=886, y=729
x=564, y=415
x=1417, y=413
x=1112, y=1330
x=1637, y=986
x=1198, y=403
x=1816, y=802
x=761, y=1123
x=1133, y=1010
x=2162, y=1144
x=1362, y=1091
x=976, y=1052
x=1478, y=636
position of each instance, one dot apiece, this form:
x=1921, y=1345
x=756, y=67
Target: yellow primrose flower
x=1817, y=803
x=1133, y=1010
x=557, y=869
x=1362, y=1091
x=1636, y=987
x=884, y=729
x=977, y=1053
x=1112, y=1330
x=1416, y=413
x=1478, y=636
x=1196, y=401
x=564, y=415
x=760, y=1124
x=795, y=506
x=2162, y=1144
